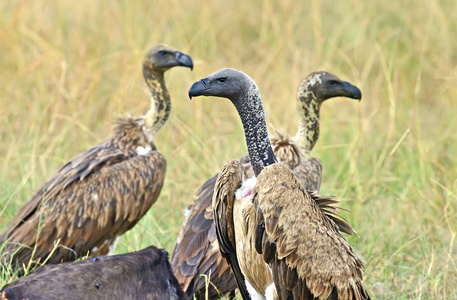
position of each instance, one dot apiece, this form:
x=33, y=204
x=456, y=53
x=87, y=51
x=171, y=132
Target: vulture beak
x=184, y=60
x=198, y=88
x=352, y=91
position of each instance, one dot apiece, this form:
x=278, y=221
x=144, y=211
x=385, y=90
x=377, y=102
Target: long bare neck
x=160, y=109
x=308, y=118
x=255, y=128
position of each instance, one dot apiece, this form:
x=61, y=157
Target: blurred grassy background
x=67, y=69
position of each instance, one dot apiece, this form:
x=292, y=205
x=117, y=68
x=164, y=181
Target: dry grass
x=68, y=68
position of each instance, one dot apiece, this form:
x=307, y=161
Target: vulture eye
x=332, y=82
x=162, y=52
x=222, y=79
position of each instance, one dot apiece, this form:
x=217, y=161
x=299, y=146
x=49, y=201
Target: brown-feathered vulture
x=145, y=274
x=279, y=243
x=104, y=191
x=197, y=251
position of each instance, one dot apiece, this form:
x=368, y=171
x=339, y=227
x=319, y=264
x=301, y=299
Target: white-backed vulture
x=104, y=191
x=197, y=251
x=278, y=242
x=145, y=274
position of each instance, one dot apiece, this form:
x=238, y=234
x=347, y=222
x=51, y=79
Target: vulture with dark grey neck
x=104, y=191
x=145, y=274
x=197, y=251
x=279, y=243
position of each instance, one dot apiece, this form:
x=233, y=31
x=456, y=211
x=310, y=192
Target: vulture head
x=242, y=91
x=225, y=83
x=163, y=57
x=325, y=85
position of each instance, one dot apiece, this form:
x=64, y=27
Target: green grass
x=68, y=69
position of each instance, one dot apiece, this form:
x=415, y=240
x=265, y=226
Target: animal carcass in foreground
x=145, y=274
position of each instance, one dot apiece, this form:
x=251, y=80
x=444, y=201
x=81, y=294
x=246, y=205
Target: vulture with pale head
x=196, y=254
x=104, y=191
x=279, y=243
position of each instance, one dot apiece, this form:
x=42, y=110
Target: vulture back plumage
x=309, y=261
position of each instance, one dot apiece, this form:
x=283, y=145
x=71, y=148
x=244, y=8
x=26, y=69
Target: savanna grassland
x=68, y=68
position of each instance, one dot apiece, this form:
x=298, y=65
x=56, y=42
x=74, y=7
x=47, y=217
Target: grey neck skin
x=160, y=100
x=252, y=116
x=308, y=119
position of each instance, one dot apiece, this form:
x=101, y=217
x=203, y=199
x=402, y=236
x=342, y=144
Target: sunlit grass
x=68, y=69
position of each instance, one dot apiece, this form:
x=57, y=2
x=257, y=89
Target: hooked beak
x=184, y=60
x=198, y=88
x=352, y=91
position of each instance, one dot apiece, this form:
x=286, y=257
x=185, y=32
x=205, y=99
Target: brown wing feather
x=88, y=205
x=314, y=252
x=228, y=181
x=196, y=252
x=309, y=173
x=76, y=169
